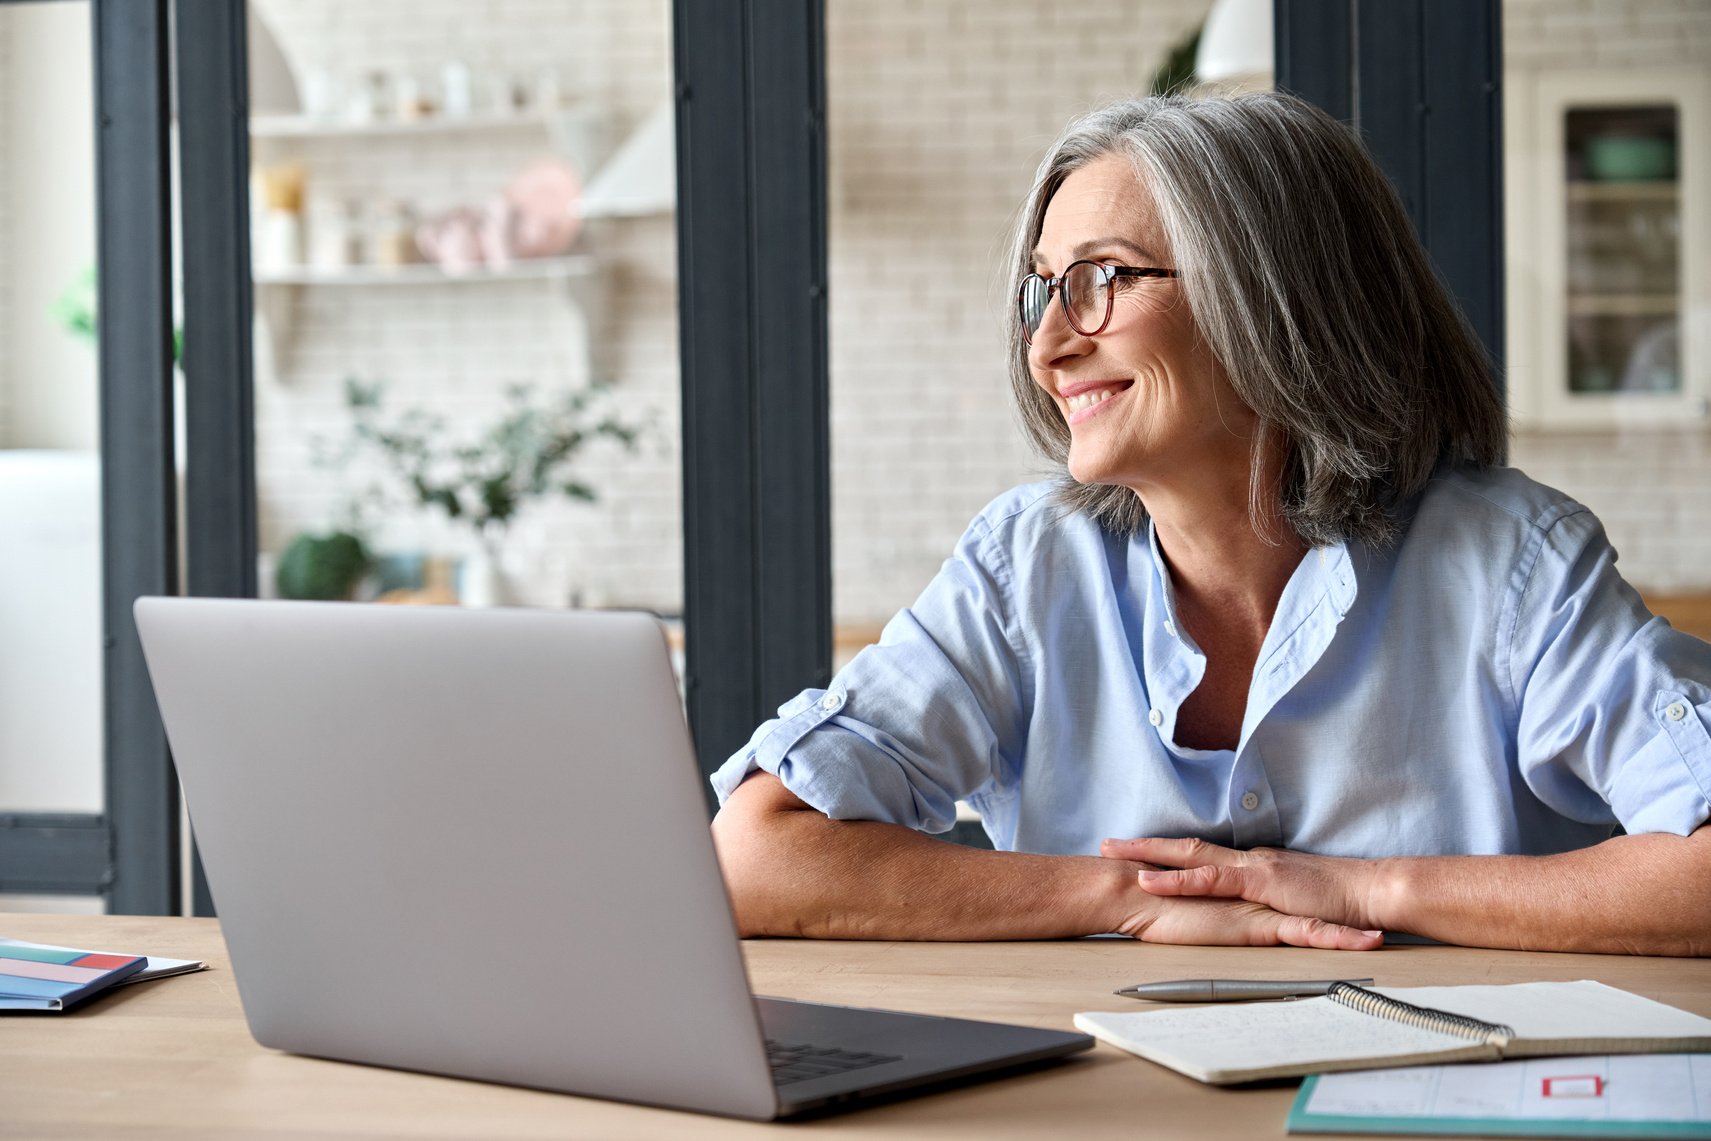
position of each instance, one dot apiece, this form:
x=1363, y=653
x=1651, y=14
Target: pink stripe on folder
x=52, y=972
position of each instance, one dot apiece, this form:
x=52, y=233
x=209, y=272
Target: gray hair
x=1305, y=277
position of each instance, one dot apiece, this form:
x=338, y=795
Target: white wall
x=938, y=114
x=47, y=227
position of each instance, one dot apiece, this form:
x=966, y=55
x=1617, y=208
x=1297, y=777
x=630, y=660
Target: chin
x=1090, y=469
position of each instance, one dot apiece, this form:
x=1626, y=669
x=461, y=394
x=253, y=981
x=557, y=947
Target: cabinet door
x=1612, y=200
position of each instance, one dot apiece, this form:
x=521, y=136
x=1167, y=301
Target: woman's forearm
x=1645, y=895
x=793, y=872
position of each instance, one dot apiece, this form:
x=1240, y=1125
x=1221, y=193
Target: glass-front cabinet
x=1610, y=283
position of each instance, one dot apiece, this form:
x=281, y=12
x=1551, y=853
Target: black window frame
x=1422, y=80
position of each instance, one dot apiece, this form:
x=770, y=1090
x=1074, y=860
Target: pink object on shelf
x=543, y=199
x=535, y=218
x=452, y=240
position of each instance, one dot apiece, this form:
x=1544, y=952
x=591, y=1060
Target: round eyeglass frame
x=1107, y=274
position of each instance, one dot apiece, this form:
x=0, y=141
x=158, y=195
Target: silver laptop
x=475, y=843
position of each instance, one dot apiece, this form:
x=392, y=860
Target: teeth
x=1089, y=399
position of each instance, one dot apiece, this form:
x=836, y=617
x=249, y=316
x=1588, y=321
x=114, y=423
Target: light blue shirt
x=1487, y=685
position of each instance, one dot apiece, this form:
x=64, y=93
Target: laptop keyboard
x=798, y=1063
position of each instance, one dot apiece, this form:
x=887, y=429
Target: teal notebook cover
x=1638, y=1095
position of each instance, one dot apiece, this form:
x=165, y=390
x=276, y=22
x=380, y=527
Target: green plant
x=1176, y=73
x=322, y=567
x=523, y=455
x=75, y=310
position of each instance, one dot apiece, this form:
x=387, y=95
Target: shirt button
x=831, y=701
x=1170, y=629
x=1250, y=801
x=1676, y=711
x=1155, y=718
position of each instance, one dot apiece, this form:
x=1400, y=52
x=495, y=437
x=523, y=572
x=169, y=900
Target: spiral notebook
x=1363, y=1028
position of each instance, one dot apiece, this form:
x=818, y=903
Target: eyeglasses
x=1085, y=289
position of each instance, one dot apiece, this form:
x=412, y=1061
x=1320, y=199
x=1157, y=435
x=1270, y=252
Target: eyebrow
x=1085, y=248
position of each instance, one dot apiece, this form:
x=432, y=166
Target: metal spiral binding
x=1383, y=1006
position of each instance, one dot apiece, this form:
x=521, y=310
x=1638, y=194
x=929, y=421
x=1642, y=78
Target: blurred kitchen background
x=463, y=219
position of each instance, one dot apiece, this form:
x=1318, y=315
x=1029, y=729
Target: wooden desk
x=173, y=1058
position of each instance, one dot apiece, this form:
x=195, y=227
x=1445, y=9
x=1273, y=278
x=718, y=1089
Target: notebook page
x=1247, y=1041
x=1560, y=1012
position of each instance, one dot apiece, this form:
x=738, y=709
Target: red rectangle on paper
x=1574, y=1085
x=105, y=962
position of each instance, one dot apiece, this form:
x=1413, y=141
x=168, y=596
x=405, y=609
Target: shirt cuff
x=766, y=750
x=1677, y=797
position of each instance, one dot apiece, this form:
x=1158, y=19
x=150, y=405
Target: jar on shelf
x=457, y=89
x=335, y=234
x=370, y=99
x=393, y=237
x=277, y=237
x=413, y=98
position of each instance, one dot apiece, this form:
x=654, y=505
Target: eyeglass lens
x=1086, y=298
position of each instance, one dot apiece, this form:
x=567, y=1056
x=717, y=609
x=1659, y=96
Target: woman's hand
x=1150, y=918
x=1331, y=889
x=1215, y=922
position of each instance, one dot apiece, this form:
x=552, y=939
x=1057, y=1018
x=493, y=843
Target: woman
x=1286, y=656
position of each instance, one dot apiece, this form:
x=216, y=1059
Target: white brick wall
x=1566, y=34
x=938, y=114
x=1649, y=488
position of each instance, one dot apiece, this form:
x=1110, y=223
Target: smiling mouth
x=1089, y=399
x=1084, y=404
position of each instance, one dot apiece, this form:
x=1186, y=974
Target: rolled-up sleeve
x=1613, y=706
x=934, y=713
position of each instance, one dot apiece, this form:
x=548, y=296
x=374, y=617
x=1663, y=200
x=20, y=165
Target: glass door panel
x=938, y=116
x=51, y=735
x=1624, y=240
x=465, y=289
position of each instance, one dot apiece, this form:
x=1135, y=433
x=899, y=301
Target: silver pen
x=1233, y=990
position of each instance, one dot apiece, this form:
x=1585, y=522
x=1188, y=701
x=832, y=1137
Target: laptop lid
x=492, y=808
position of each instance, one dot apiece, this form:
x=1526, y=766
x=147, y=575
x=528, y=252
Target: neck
x=1224, y=572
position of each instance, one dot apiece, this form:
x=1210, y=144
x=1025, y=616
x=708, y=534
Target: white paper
x=1553, y=1011
x=1254, y=1036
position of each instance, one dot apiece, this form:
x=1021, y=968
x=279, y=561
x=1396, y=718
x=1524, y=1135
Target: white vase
x=482, y=581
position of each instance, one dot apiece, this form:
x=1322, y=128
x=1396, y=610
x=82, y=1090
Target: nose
x=1055, y=342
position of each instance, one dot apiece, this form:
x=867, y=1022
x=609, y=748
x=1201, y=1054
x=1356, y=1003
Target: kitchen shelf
x=574, y=278
x=1623, y=191
x=1623, y=304
x=525, y=269
x=310, y=127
